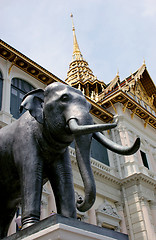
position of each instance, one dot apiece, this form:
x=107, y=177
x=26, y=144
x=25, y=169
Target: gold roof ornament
x=137, y=93
x=76, y=50
x=144, y=63
x=19, y=60
x=80, y=75
x=113, y=83
x=117, y=74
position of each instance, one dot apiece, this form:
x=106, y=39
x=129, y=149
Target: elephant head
x=63, y=112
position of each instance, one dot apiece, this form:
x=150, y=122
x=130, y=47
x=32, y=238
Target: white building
x=126, y=185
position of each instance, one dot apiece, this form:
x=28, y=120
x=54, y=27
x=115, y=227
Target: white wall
x=8, y=73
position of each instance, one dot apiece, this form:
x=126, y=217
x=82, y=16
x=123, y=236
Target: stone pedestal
x=57, y=227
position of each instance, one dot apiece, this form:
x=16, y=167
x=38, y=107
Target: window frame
x=144, y=159
x=103, y=156
x=19, y=88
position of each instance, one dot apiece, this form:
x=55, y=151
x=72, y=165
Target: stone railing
x=100, y=165
x=95, y=163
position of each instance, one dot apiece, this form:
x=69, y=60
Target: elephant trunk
x=82, y=147
x=77, y=122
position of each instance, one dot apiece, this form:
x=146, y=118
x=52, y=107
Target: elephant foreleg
x=61, y=179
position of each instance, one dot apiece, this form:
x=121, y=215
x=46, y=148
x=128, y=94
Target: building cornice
x=99, y=112
x=26, y=64
x=138, y=177
x=131, y=104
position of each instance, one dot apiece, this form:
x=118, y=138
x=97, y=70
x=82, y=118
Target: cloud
x=149, y=8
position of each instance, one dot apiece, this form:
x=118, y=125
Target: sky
x=113, y=35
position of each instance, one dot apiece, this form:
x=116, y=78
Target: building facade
x=126, y=185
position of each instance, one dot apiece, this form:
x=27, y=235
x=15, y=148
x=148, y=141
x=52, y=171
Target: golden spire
x=76, y=51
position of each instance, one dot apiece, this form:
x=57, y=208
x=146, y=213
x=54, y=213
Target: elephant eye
x=64, y=97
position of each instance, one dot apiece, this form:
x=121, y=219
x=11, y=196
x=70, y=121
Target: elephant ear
x=33, y=101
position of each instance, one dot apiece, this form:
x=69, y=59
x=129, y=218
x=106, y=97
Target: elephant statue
x=34, y=149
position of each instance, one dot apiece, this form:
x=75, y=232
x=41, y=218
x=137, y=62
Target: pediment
x=141, y=93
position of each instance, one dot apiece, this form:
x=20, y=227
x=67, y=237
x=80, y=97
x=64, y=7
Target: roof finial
x=144, y=61
x=117, y=72
x=72, y=21
x=76, y=51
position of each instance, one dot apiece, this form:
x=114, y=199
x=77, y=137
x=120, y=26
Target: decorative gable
x=107, y=215
x=136, y=92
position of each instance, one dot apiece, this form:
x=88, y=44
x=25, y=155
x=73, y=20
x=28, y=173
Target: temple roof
x=80, y=75
x=137, y=93
x=141, y=75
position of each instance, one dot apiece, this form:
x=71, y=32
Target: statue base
x=57, y=227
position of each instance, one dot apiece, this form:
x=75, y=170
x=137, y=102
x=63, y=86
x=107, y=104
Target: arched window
x=18, y=89
x=1, y=88
x=99, y=152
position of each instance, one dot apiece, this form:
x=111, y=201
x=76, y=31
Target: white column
x=131, y=161
x=152, y=161
x=153, y=212
x=92, y=216
x=129, y=220
x=6, y=91
x=121, y=213
x=148, y=226
x=5, y=116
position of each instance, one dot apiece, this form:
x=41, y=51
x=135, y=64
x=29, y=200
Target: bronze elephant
x=35, y=148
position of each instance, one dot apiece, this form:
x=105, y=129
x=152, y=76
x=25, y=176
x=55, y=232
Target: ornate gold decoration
x=13, y=62
x=125, y=106
x=12, y=53
x=80, y=75
x=112, y=84
x=114, y=108
x=146, y=122
x=133, y=113
x=130, y=103
x=142, y=95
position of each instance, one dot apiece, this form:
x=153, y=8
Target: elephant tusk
x=87, y=129
x=123, y=150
